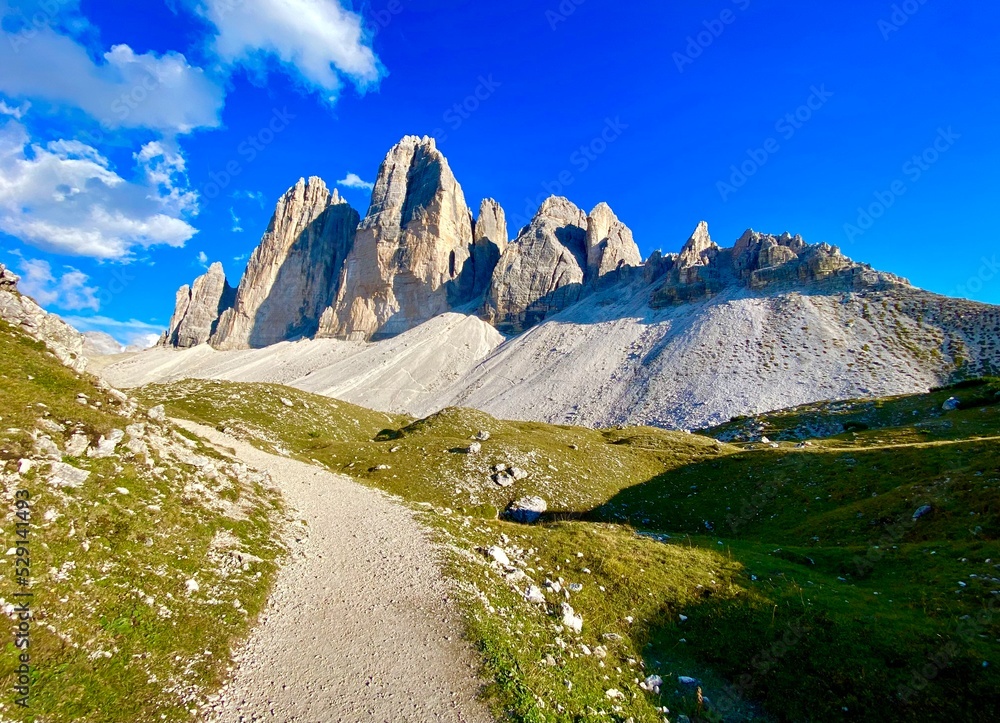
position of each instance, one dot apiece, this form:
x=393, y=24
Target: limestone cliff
x=542, y=270
x=292, y=276
x=410, y=260
x=197, y=309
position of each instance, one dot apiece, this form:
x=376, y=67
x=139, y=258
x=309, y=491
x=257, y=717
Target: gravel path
x=359, y=626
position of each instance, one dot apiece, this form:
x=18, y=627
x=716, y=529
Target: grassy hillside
x=791, y=582
x=118, y=633
x=428, y=460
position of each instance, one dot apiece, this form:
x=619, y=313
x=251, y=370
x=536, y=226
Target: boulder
x=527, y=509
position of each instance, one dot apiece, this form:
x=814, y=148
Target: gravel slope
x=611, y=359
x=359, y=626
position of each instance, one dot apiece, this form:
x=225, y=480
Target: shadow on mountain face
x=307, y=282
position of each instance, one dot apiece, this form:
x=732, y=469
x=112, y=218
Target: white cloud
x=16, y=112
x=236, y=221
x=69, y=291
x=64, y=197
x=130, y=333
x=257, y=196
x=203, y=259
x=353, y=180
x=123, y=90
x=316, y=40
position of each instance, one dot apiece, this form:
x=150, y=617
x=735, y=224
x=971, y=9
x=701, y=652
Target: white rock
x=534, y=595
x=570, y=619
x=77, y=445
x=67, y=476
x=503, y=479
x=158, y=413
x=527, y=509
x=288, y=403
x=192, y=585
x=474, y=448
x=106, y=445
x=483, y=436
x=614, y=694
x=499, y=555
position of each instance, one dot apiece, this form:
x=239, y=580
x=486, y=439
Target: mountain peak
x=699, y=250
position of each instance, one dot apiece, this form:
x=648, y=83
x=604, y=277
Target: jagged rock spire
x=197, y=309
x=610, y=245
x=543, y=270
x=293, y=274
x=409, y=259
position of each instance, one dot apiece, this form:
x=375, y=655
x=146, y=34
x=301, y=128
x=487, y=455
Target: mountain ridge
x=423, y=305
x=323, y=271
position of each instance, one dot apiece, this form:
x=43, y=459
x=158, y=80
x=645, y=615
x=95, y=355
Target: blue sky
x=871, y=126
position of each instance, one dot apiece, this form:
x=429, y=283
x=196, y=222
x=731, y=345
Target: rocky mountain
x=99, y=343
x=197, y=309
x=292, y=276
x=411, y=258
x=65, y=342
x=542, y=271
x=565, y=323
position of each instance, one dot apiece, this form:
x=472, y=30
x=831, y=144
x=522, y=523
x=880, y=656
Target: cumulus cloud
x=132, y=332
x=353, y=180
x=67, y=291
x=202, y=259
x=122, y=90
x=316, y=40
x=64, y=197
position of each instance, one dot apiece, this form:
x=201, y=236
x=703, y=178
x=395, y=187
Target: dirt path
x=359, y=626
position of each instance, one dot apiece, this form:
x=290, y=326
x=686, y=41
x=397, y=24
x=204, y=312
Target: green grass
x=807, y=587
x=116, y=636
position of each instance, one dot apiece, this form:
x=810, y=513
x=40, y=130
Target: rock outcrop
x=610, y=245
x=62, y=339
x=197, y=309
x=756, y=262
x=292, y=276
x=410, y=260
x=542, y=271
x=490, y=240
